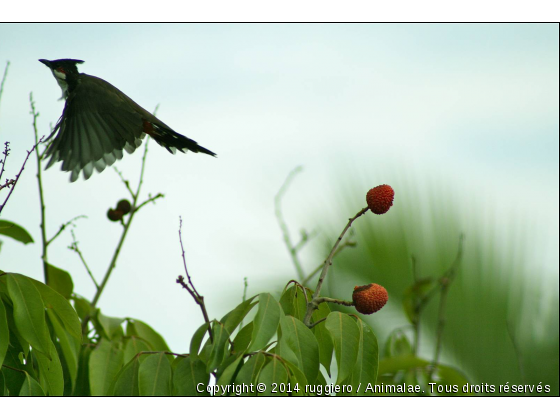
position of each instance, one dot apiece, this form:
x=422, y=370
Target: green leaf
x=155, y=376
x=248, y=375
x=55, y=301
x=266, y=321
x=197, y=339
x=233, y=318
x=29, y=312
x=13, y=379
x=273, y=374
x=229, y=373
x=69, y=345
x=293, y=302
x=296, y=377
x=31, y=388
x=51, y=376
x=17, y=342
x=15, y=231
x=284, y=350
x=346, y=340
x=451, y=377
x=111, y=326
x=4, y=333
x=304, y=345
x=82, y=306
x=414, y=294
x=243, y=338
x=365, y=370
x=187, y=375
x=82, y=388
x=397, y=344
x=59, y=280
x=369, y=356
x=134, y=345
x=220, y=341
x=323, y=337
x=126, y=383
x=143, y=330
x=395, y=364
x=3, y=388
x=104, y=364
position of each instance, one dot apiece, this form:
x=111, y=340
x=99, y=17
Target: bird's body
x=99, y=122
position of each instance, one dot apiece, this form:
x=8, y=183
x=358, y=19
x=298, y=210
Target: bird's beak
x=46, y=62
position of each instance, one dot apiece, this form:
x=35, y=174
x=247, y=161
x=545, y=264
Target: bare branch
x=74, y=247
x=125, y=182
x=304, y=239
x=445, y=282
x=126, y=227
x=198, y=298
x=149, y=200
x=64, y=226
x=7, y=184
x=4, y=78
x=282, y=223
x=328, y=262
x=347, y=244
x=41, y=193
x=245, y=287
x=6, y=152
x=14, y=181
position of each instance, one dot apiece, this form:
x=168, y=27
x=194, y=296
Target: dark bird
x=99, y=122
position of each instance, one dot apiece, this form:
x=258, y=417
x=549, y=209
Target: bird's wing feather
x=97, y=123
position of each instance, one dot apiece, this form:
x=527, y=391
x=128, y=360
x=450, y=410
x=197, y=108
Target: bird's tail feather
x=172, y=140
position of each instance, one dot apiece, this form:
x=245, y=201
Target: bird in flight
x=99, y=122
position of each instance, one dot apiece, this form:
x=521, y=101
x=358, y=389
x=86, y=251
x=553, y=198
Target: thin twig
x=300, y=286
x=198, y=298
x=244, y=298
x=517, y=353
x=320, y=300
x=64, y=226
x=282, y=223
x=14, y=181
x=125, y=182
x=6, y=152
x=13, y=368
x=328, y=262
x=245, y=286
x=141, y=180
x=304, y=240
x=318, y=322
x=149, y=200
x=44, y=240
x=416, y=309
x=4, y=78
x=160, y=352
x=7, y=184
x=346, y=244
x=126, y=227
x=445, y=282
x=74, y=247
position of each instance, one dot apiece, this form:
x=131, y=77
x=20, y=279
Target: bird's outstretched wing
x=97, y=124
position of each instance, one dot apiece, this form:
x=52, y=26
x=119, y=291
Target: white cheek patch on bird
x=59, y=74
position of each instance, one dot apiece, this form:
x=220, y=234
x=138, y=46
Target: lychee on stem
x=370, y=298
x=380, y=198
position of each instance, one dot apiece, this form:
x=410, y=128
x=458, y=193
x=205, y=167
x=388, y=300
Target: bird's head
x=61, y=68
x=63, y=71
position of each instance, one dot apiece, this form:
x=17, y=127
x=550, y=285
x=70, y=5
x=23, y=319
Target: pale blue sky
x=474, y=107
